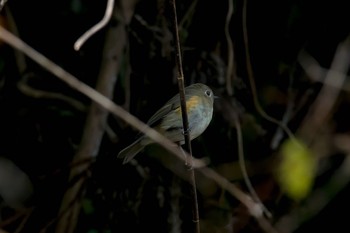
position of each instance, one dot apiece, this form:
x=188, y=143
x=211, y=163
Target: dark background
x=41, y=135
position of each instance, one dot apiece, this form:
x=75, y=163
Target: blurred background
x=277, y=67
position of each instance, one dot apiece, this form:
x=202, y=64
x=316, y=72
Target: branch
x=108, y=14
x=230, y=55
x=130, y=119
x=36, y=93
x=2, y=4
x=327, y=97
x=88, y=91
x=250, y=72
x=115, y=43
x=181, y=81
x=244, y=169
x=317, y=73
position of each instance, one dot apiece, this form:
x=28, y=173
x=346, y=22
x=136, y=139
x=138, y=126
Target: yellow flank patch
x=190, y=103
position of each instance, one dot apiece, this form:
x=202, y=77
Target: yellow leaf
x=296, y=172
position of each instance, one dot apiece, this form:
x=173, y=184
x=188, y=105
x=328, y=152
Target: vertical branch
x=180, y=80
x=250, y=72
x=97, y=27
x=115, y=44
x=230, y=58
x=243, y=168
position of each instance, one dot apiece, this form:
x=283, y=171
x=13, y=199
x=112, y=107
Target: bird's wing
x=172, y=104
x=168, y=107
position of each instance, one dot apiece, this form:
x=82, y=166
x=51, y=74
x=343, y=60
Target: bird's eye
x=208, y=93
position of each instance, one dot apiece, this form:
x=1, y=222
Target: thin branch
x=257, y=104
x=180, y=79
x=318, y=74
x=175, y=208
x=69, y=210
x=107, y=16
x=244, y=169
x=36, y=93
x=2, y=4
x=19, y=56
x=327, y=97
x=230, y=55
x=88, y=91
x=254, y=208
x=181, y=84
x=106, y=103
x=23, y=222
x=115, y=43
x=84, y=162
x=20, y=213
x=288, y=114
x=231, y=110
x=187, y=18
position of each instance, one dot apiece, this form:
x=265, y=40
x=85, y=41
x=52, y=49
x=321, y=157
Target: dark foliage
x=40, y=134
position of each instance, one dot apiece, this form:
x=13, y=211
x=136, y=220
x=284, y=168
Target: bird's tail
x=131, y=151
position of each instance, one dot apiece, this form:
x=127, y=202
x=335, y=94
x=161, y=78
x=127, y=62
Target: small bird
x=168, y=119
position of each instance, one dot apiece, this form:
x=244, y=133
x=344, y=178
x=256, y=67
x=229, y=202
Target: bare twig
x=230, y=54
x=325, y=101
x=19, y=56
x=2, y=4
x=76, y=163
x=107, y=16
x=276, y=139
x=187, y=18
x=36, y=93
x=253, y=207
x=66, y=77
x=318, y=73
x=257, y=104
x=181, y=84
x=244, y=169
x=25, y=213
x=23, y=222
x=69, y=210
x=180, y=79
x=89, y=92
x=115, y=43
x=175, y=213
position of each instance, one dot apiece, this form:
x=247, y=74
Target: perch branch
x=181, y=84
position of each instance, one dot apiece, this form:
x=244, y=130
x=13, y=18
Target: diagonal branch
x=106, y=103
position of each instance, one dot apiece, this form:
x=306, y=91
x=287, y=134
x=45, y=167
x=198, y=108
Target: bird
x=168, y=119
